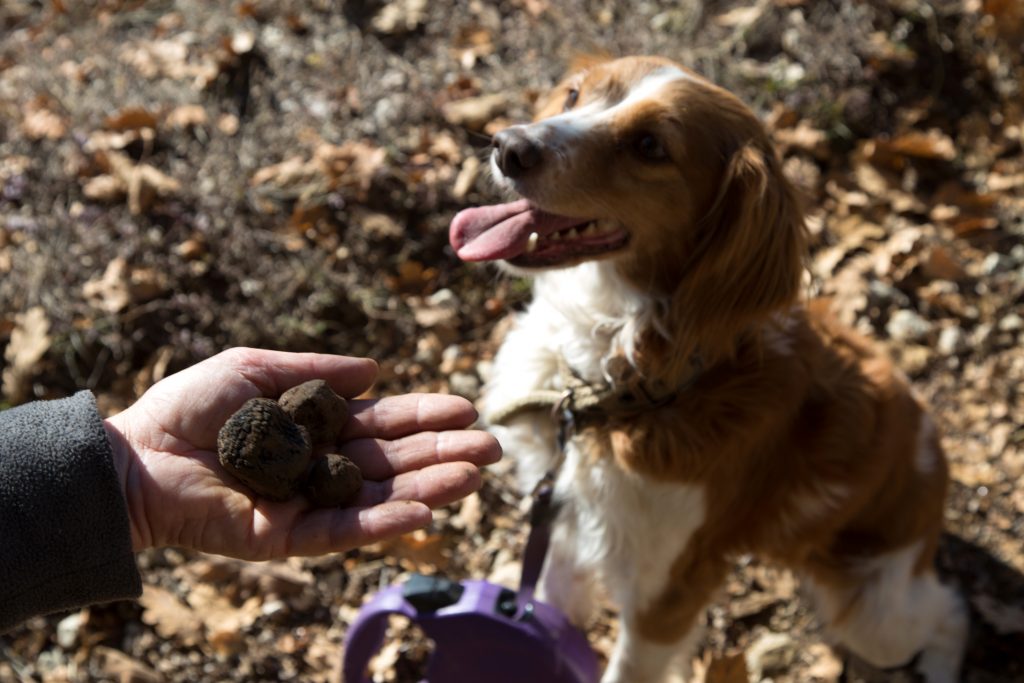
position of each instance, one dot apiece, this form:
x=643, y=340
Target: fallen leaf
x=41, y=123
x=474, y=112
x=467, y=176
x=130, y=118
x=169, y=616
x=186, y=116
x=824, y=664
x=105, y=188
x=769, y=653
x=741, y=16
x=1004, y=618
x=120, y=286
x=730, y=668
x=933, y=144
x=400, y=16
x=112, y=663
x=29, y=342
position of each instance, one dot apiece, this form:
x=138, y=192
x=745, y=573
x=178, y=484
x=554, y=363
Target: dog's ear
x=582, y=61
x=748, y=256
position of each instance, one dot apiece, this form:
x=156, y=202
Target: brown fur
x=760, y=429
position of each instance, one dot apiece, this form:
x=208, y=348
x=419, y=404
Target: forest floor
x=178, y=177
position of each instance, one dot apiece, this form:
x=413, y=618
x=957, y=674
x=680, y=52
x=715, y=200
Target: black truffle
x=265, y=449
x=333, y=481
x=315, y=406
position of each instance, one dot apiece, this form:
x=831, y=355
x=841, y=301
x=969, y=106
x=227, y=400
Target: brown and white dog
x=667, y=249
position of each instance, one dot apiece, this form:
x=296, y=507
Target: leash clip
x=564, y=415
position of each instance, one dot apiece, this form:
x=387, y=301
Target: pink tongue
x=502, y=231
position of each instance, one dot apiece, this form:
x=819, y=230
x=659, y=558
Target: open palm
x=413, y=450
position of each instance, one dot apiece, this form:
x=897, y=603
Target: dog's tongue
x=502, y=231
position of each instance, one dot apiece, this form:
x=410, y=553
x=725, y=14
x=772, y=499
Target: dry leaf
x=933, y=144
x=400, y=16
x=824, y=664
x=467, y=176
x=474, y=112
x=186, y=116
x=170, y=617
x=769, y=653
x=40, y=123
x=130, y=118
x=105, y=188
x=1004, y=618
x=419, y=547
x=224, y=623
x=29, y=341
x=731, y=668
x=741, y=17
x=120, y=666
x=120, y=286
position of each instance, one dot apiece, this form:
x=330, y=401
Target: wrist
x=127, y=467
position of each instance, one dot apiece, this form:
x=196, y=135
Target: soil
x=178, y=177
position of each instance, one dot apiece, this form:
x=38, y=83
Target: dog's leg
x=565, y=584
x=887, y=614
x=636, y=659
x=657, y=642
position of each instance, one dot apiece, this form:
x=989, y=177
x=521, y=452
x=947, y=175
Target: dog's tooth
x=571, y=234
x=590, y=230
x=555, y=237
x=531, y=243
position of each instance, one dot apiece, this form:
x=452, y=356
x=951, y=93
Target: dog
x=724, y=417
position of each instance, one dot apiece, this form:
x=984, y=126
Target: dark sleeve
x=65, y=540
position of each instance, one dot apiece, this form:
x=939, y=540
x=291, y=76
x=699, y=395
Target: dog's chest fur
x=627, y=527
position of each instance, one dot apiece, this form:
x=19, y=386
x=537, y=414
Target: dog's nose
x=517, y=153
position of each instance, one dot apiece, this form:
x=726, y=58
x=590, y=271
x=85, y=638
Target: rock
x=996, y=263
x=464, y=384
x=263, y=448
x=333, y=481
x=1011, y=323
x=905, y=325
x=69, y=629
x=952, y=341
x=315, y=406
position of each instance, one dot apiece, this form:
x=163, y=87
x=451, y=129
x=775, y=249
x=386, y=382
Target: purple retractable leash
x=482, y=631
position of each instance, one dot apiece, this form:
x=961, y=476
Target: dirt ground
x=178, y=177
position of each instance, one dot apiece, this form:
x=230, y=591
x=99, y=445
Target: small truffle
x=265, y=449
x=333, y=481
x=315, y=406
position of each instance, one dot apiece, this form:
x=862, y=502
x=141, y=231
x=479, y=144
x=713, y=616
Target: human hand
x=413, y=450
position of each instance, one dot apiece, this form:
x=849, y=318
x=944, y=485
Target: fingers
x=434, y=486
x=335, y=530
x=379, y=459
x=274, y=372
x=398, y=416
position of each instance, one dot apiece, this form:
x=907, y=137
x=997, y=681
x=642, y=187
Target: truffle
x=333, y=480
x=315, y=406
x=265, y=449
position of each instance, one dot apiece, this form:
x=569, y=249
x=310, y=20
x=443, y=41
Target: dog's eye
x=570, y=99
x=649, y=147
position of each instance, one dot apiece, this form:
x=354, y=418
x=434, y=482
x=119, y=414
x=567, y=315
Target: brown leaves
x=30, y=340
x=350, y=166
x=122, y=285
x=41, y=122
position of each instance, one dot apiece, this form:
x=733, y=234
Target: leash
x=543, y=510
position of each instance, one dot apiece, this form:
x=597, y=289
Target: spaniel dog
x=707, y=412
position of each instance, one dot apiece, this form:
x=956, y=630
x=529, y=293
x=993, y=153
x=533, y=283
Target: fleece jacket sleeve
x=65, y=540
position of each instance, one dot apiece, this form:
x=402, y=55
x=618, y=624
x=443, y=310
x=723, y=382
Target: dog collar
x=583, y=403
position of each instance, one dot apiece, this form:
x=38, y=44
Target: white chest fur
x=626, y=528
